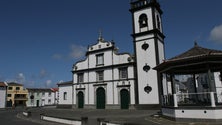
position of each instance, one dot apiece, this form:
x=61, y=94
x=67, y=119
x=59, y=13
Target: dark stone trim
x=104, y=67
x=80, y=88
x=106, y=81
x=123, y=86
x=154, y=5
x=104, y=84
x=154, y=31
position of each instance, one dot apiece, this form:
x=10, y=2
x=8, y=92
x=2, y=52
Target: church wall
x=149, y=77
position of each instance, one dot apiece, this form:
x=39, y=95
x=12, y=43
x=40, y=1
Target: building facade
x=41, y=97
x=65, y=92
x=108, y=79
x=3, y=94
x=16, y=95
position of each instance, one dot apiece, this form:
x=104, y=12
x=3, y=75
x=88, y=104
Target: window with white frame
x=80, y=77
x=100, y=59
x=99, y=76
x=43, y=94
x=123, y=73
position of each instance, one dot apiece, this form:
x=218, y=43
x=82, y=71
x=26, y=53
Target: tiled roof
x=2, y=84
x=14, y=84
x=55, y=89
x=65, y=83
x=39, y=89
x=196, y=51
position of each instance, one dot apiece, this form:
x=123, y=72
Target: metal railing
x=193, y=99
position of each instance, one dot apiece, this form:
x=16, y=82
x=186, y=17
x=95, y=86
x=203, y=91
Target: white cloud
x=48, y=83
x=76, y=52
x=216, y=34
x=57, y=56
x=43, y=73
x=20, y=78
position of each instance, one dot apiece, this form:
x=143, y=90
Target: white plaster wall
x=81, y=65
x=68, y=89
x=150, y=77
x=107, y=58
x=2, y=97
x=109, y=93
x=161, y=52
x=47, y=97
x=91, y=94
x=120, y=59
x=193, y=113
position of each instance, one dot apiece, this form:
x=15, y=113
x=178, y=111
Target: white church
x=106, y=79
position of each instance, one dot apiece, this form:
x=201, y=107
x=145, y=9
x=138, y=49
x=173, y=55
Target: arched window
x=143, y=20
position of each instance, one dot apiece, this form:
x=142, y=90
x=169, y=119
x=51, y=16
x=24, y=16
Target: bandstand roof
x=195, y=60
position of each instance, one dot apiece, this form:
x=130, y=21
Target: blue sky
x=40, y=40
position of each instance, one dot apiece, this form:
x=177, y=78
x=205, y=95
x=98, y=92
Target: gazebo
x=191, y=84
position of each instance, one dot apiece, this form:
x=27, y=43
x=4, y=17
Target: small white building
x=3, y=94
x=65, y=94
x=40, y=97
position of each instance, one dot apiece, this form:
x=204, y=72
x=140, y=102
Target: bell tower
x=148, y=42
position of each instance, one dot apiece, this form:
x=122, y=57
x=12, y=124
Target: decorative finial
x=100, y=35
x=195, y=43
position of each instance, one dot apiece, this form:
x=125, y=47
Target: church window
x=80, y=77
x=123, y=74
x=65, y=96
x=143, y=21
x=99, y=59
x=99, y=76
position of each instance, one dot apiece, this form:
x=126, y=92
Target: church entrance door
x=124, y=97
x=80, y=100
x=100, y=98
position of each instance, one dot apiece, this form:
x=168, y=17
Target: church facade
x=106, y=79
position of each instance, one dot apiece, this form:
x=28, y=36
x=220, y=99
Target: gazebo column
x=195, y=88
x=173, y=91
x=212, y=98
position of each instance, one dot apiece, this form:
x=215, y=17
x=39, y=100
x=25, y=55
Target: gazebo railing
x=193, y=99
